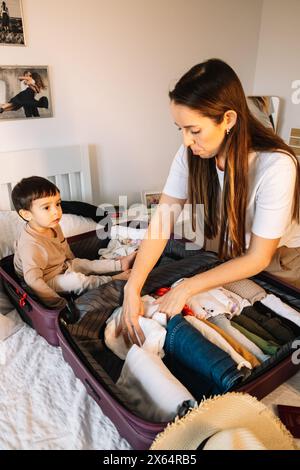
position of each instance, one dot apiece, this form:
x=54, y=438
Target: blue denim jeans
x=194, y=359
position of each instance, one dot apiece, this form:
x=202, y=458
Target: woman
x=25, y=99
x=5, y=17
x=228, y=160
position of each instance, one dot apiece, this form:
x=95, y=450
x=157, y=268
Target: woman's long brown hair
x=212, y=88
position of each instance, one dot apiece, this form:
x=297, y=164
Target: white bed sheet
x=43, y=406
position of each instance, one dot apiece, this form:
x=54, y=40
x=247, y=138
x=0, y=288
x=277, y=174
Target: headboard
x=67, y=167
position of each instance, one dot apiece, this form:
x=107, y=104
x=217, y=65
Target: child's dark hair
x=30, y=189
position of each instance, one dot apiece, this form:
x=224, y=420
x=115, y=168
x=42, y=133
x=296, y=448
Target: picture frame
x=11, y=23
x=25, y=92
x=150, y=198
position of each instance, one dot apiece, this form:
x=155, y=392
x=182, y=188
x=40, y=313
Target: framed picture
x=24, y=92
x=150, y=199
x=11, y=23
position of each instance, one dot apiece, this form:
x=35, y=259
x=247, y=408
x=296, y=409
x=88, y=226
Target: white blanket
x=42, y=404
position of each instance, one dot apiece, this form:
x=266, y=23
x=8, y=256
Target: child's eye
x=195, y=132
x=46, y=208
x=58, y=204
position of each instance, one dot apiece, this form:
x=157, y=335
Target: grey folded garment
x=247, y=289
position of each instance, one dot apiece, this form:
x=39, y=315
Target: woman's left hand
x=173, y=301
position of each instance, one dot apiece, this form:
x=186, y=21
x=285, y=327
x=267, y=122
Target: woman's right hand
x=129, y=325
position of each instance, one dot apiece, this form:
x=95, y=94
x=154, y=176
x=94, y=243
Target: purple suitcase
x=49, y=324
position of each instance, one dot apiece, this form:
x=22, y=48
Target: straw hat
x=233, y=421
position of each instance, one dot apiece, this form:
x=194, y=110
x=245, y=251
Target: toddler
x=43, y=256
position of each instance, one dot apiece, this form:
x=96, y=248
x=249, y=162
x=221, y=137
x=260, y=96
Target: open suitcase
x=83, y=345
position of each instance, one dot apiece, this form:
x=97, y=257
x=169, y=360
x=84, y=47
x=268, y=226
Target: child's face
x=44, y=213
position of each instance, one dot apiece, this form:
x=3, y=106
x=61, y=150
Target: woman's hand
x=129, y=325
x=173, y=301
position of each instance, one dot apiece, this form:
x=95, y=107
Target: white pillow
x=75, y=224
x=11, y=225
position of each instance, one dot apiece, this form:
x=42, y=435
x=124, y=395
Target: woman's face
x=200, y=133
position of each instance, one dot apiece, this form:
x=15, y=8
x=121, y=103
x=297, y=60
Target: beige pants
x=286, y=265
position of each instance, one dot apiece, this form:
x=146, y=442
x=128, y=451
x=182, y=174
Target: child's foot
x=122, y=276
x=127, y=261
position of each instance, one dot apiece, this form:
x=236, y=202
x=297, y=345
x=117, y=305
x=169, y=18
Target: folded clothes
x=153, y=325
x=271, y=322
x=116, y=248
x=268, y=347
x=216, y=301
x=186, y=345
x=254, y=327
x=222, y=322
x=121, y=232
x=247, y=289
x=214, y=337
x=281, y=308
x=148, y=385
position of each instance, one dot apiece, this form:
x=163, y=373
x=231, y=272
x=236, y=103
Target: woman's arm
x=257, y=258
x=155, y=240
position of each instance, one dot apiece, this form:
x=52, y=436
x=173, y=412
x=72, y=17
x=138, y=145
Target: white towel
x=150, y=387
x=281, y=308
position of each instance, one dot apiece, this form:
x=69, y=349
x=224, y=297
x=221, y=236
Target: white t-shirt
x=272, y=177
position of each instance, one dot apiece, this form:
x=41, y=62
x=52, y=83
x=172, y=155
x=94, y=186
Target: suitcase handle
x=91, y=390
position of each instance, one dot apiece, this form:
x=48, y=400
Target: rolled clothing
x=188, y=346
x=255, y=328
x=212, y=335
x=281, y=308
x=247, y=289
x=148, y=385
x=224, y=323
x=234, y=344
x=270, y=322
x=268, y=347
x=153, y=328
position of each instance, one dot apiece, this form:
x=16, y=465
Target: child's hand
x=122, y=276
x=127, y=261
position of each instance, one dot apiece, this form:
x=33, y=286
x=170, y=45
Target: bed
x=42, y=404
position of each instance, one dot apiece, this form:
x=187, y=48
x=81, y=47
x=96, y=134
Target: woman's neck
x=220, y=162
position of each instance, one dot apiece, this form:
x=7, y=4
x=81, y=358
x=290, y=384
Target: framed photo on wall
x=24, y=92
x=151, y=199
x=11, y=23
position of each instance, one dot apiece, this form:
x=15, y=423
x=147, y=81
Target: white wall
x=278, y=63
x=111, y=65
